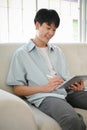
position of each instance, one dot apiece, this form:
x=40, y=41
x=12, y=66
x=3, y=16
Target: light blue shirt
x=28, y=67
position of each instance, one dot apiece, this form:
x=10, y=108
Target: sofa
x=17, y=114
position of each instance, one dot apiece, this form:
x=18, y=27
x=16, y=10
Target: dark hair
x=47, y=15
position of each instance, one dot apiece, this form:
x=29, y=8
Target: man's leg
x=63, y=113
x=78, y=99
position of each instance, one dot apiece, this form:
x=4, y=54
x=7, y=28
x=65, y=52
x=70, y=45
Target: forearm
x=27, y=90
x=30, y=90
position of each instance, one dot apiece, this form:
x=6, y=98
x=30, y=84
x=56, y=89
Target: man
x=38, y=68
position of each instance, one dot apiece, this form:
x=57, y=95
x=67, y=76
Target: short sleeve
x=16, y=74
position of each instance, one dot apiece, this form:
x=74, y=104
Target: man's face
x=45, y=32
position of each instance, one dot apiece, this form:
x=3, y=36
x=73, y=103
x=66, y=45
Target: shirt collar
x=30, y=46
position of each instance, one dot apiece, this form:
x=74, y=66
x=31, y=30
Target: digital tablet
x=72, y=80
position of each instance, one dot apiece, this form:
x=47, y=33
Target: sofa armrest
x=15, y=114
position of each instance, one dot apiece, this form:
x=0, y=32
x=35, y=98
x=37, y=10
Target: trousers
x=63, y=110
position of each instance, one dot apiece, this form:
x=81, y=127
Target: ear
x=37, y=25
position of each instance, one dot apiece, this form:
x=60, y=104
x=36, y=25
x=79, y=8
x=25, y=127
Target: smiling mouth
x=48, y=38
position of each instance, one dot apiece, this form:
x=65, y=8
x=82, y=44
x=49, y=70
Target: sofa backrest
x=6, y=52
x=76, y=56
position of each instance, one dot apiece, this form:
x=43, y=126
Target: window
x=75, y=29
x=16, y=20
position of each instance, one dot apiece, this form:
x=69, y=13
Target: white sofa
x=16, y=114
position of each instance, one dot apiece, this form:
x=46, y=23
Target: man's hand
x=77, y=86
x=53, y=82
